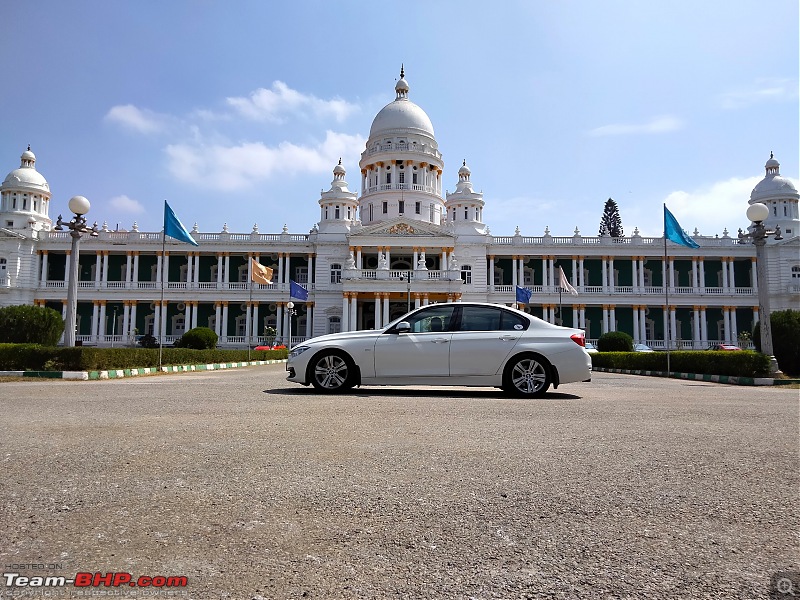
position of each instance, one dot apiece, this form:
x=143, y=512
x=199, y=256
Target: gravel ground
x=626, y=487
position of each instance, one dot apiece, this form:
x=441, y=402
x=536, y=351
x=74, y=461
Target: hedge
x=705, y=362
x=32, y=357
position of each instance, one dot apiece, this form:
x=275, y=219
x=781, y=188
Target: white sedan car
x=460, y=343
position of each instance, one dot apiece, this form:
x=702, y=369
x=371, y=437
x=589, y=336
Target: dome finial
x=402, y=70
x=29, y=147
x=340, y=160
x=771, y=155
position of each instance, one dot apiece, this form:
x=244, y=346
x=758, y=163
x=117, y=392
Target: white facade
x=400, y=244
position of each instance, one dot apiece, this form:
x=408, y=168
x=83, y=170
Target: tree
x=27, y=324
x=199, y=338
x=785, y=325
x=611, y=222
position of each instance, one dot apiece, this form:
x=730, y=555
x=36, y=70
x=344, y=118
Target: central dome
x=401, y=116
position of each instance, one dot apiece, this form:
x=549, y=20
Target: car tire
x=331, y=372
x=527, y=376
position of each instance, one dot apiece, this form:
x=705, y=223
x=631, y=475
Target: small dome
x=773, y=185
x=28, y=155
x=464, y=170
x=339, y=169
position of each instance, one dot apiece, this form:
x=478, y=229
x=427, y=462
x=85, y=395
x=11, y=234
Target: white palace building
x=401, y=243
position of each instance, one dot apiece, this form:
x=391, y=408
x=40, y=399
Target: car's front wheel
x=527, y=376
x=331, y=372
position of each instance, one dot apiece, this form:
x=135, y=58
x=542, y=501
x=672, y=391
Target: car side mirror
x=402, y=327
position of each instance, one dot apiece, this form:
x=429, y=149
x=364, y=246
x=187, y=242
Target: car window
x=483, y=318
x=432, y=319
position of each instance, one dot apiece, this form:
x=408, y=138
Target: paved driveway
x=251, y=487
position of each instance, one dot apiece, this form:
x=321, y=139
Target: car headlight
x=298, y=350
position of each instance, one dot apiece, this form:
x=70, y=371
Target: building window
x=388, y=178
x=334, y=324
x=385, y=207
x=336, y=212
x=370, y=211
x=417, y=206
x=414, y=178
x=402, y=176
x=795, y=272
x=402, y=205
x=336, y=273
x=466, y=213
x=466, y=274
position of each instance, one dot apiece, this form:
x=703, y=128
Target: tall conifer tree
x=611, y=222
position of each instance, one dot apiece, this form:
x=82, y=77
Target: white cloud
x=763, y=90
x=136, y=119
x=272, y=104
x=662, y=124
x=237, y=167
x=125, y=204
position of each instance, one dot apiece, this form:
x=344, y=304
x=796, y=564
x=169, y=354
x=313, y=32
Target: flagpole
x=163, y=264
x=666, y=298
x=250, y=308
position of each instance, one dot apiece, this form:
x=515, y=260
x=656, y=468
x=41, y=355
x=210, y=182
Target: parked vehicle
x=460, y=343
x=591, y=348
x=725, y=347
x=642, y=348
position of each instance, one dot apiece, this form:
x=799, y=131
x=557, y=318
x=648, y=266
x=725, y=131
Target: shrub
x=615, y=341
x=705, y=362
x=785, y=325
x=199, y=338
x=27, y=324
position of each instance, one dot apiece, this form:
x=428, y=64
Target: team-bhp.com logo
x=85, y=580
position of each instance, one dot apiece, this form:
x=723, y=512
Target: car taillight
x=579, y=338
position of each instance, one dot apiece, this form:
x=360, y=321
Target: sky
x=236, y=112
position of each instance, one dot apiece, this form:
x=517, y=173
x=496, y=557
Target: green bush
x=26, y=324
x=705, y=362
x=785, y=325
x=199, y=338
x=615, y=341
x=32, y=357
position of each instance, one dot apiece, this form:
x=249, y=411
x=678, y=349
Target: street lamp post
x=758, y=233
x=291, y=312
x=77, y=227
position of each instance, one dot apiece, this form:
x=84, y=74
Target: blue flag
x=523, y=295
x=174, y=228
x=674, y=233
x=297, y=291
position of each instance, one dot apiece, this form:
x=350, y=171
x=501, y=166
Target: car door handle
x=439, y=340
x=508, y=338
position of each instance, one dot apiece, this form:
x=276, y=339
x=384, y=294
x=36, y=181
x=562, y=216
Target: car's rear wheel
x=331, y=372
x=527, y=376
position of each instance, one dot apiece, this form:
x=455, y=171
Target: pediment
x=400, y=227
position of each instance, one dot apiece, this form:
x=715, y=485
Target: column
x=417, y=300
x=636, y=330
x=696, y=328
x=101, y=322
x=218, y=318
x=443, y=260
x=359, y=258
x=345, y=311
x=223, y=330
x=665, y=325
x=514, y=271
x=256, y=328
x=219, y=271
x=635, y=274
x=702, y=275
x=582, y=316
x=226, y=273
x=703, y=328
x=753, y=277
x=388, y=256
x=309, y=319
x=544, y=273
x=673, y=324
x=385, y=308
x=378, y=320
x=605, y=314
x=612, y=318
x=98, y=268
x=581, y=277
x=126, y=315
x=164, y=316
x=44, y=268
x=605, y=283
x=641, y=273
x=189, y=269
x=132, y=323
x=135, y=274
x=311, y=277
x=672, y=273
x=248, y=320
x=725, y=287
x=416, y=258
x=731, y=277
x=695, y=286
x=611, y=282
x=187, y=316
x=280, y=269
x=353, y=311
x=643, y=324
x=664, y=280
x=196, y=270
x=726, y=324
x=491, y=272
x=521, y=276
x=128, y=268
x=551, y=272
x=157, y=319
x=755, y=316
x=166, y=269
x=734, y=327
x=195, y=311
x=575, y=315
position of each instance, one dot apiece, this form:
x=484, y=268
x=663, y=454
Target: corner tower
x=25, y=197
x=780, y=196
x=401, y=168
